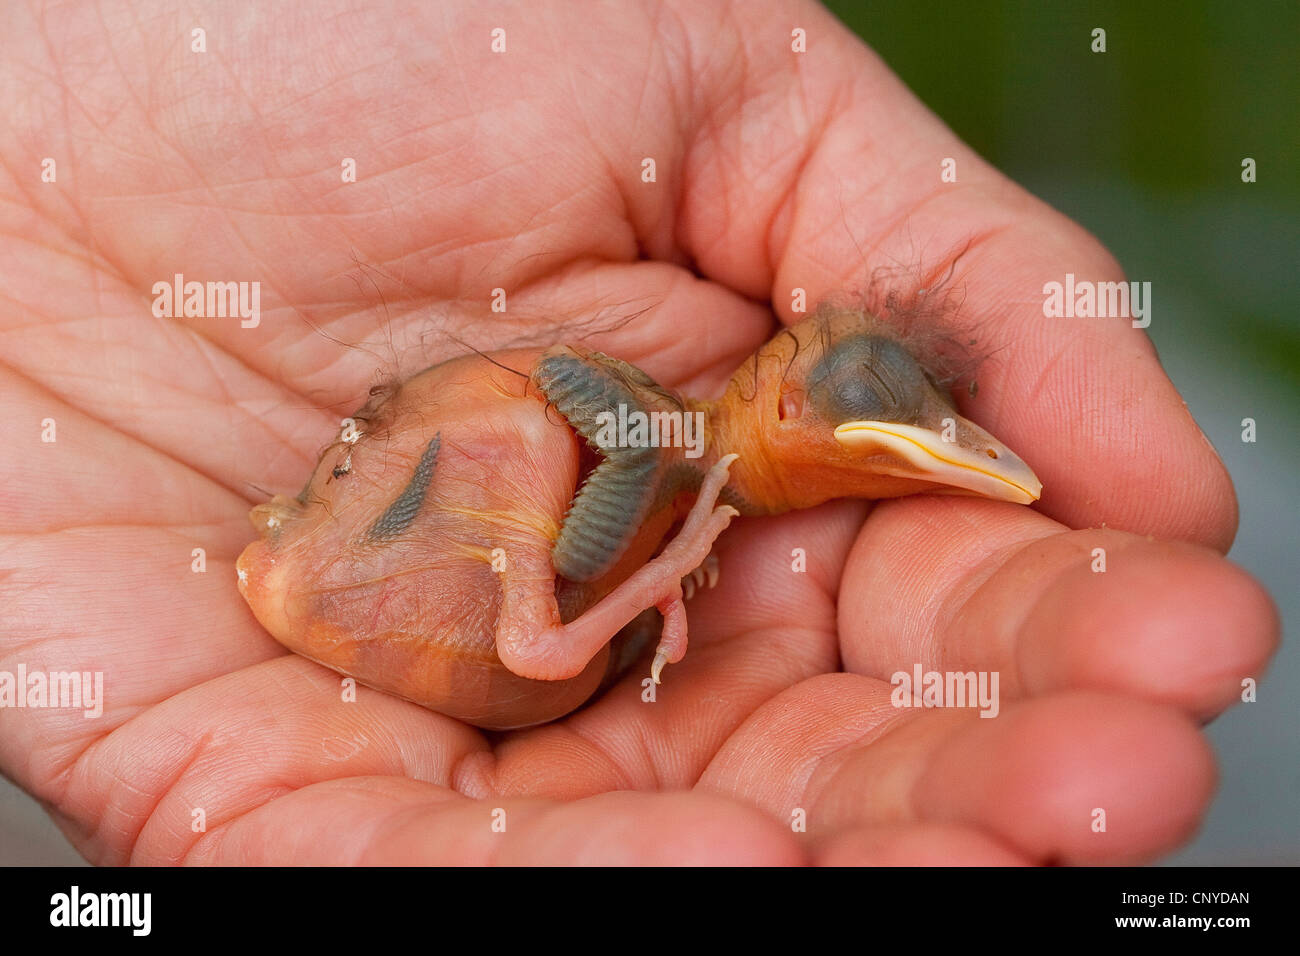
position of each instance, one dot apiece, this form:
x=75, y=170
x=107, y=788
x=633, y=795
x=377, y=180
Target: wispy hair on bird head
x=920, y=308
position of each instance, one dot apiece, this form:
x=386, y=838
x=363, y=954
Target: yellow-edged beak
x=979, y=464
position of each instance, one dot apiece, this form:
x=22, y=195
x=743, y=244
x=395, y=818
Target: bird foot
x=705, y=576
x=692, y=548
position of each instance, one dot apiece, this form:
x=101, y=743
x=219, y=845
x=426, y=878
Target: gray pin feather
x=399, y=515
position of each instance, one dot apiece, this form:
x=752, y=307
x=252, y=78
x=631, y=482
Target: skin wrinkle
x=186, y=848
x=165, y=783
x=207, y=747
x=184, y=534
x=916, y=772
x=412, y=765
x=785, y=211
x=997, y=415
x=58, y=786
x=1043, y=371
x=127, y=433
x=218, y=380
x=705, y=136
x=178, y=851
x=194, y=169
x=839, y=104
x=703, y=74
x=825, y=768
x=198, y=335
x=905, y=215
x=923, y=844
x=594, y=142
x=405, y=818
x=474, y=774
x=629, y=777
x=958, y=604
x=65, y=409
x=642, y=745
x=540, y=274
x=926, y=647
x=269, y=153
x=792, y=673
x=67, y=91
x=676, y=44
x=791, y=670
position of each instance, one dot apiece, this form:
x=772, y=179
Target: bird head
x=841, y=405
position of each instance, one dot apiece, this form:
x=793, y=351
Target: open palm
x=523, y=170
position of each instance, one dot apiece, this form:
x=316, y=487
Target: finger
x=370, y=821
x=148, y=791
x=957, y=585
x=1073, y=778
x=832, y=171
x=916, y=844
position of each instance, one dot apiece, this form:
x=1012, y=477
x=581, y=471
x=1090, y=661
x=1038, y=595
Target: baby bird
x=480, y=537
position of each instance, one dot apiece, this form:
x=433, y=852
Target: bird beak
x=971, y=462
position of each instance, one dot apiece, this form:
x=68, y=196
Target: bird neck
x=756, y=484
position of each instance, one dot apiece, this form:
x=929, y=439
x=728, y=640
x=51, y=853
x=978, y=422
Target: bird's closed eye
x=867, y=378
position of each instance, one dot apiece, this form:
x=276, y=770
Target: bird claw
x=703, y=577
x=657, y=667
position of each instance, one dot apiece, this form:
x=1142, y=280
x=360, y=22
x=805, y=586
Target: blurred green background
x=1143, y=145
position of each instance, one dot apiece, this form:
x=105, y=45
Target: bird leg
x=532, y=641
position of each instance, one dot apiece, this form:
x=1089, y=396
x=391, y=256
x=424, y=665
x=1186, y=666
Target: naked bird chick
x=478, y=543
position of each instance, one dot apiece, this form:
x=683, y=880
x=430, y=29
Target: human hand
x=523, y=171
